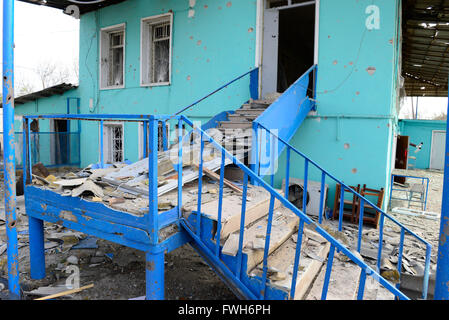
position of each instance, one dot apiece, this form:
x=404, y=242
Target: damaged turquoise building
x=160, y=56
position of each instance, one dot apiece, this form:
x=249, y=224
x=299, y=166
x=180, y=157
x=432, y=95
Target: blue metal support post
x=442, y=272
x=9, y=152
x=155, y=254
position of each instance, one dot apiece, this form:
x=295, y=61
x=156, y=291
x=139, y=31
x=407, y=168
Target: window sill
x=159, y=84
x=113, y=88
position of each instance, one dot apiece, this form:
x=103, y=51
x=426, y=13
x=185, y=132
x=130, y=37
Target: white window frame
x=107, y=142
x=145, y=49
x=104, y=52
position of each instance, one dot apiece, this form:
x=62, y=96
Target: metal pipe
x=9, y=150
x=426, y=272
x=215, y=91
x=242, y=227
x=359, y=239
x=200, y=187
x=361, y=290
x=322, y=190
x=442, y=272
x=180, y=161
x=287, y=174
x=220, y=204
x=101, y=144
x=304, y=191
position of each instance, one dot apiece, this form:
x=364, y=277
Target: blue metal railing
x=422, y=201
x=363, y=202
x=285, y=115
x=304, y=219
x=253, y=88
x=153, y=218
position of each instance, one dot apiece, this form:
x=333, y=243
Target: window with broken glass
x=116, y=49
x=161, y=53
x=156, y=50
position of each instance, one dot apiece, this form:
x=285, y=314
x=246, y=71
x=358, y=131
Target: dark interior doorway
x=296, y=44
x=401, y=156
x=62, y=147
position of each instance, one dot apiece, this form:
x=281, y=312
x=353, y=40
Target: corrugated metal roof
x=48, y=92
x=62, y=4
x=425, y=47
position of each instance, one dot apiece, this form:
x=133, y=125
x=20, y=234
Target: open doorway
x=60, y=142
x=289, y=39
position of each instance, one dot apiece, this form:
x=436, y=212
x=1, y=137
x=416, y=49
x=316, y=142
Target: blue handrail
x=253, y=88
x=363, y=202
x=236, y=276
x=285, y=115
x=304, y=219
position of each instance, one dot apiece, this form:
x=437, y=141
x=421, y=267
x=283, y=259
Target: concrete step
x=257, y=104
x=242, y=111
x=284, y=225
x=281, y=263
x=239, y=116
x=235, y=125
x=344, y=283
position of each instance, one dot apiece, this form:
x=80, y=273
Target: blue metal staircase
x=272, y=131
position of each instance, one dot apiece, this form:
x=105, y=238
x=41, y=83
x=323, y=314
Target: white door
x=438, y=150
x=270, y=52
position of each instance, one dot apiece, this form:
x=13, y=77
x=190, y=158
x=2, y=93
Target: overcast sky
x=42, y=34
x=46, y=34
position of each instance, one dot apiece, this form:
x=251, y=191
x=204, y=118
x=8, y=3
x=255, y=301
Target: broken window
x=112, y=57
x=116, y=59
x=156, y=50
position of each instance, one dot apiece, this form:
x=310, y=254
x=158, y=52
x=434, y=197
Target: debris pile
x=124, y=186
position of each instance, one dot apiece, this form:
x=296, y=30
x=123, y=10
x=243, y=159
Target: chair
x=352, y=204
x=370, y=215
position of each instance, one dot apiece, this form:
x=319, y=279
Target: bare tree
x=75, y=68
x=25, y=87
x=441, y=116
x=51, y=74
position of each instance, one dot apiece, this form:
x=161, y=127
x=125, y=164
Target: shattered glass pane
x=161, y=61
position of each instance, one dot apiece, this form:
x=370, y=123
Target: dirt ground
x=118, y=272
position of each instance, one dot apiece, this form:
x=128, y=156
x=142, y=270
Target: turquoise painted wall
x=210, y=48
x=420, y=131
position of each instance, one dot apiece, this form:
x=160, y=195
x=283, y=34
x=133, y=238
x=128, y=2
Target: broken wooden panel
x=257, y=206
